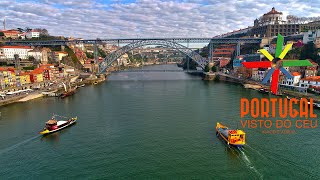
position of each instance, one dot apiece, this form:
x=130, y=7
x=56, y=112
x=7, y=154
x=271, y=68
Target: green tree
x=205, y=51
x=89, y=55
x=20, y=30
x=33, y=59
x=1, y=34
x=309, y=51
x=102, y=53
x=207, y=68
x=214, y=69
x=27, y=29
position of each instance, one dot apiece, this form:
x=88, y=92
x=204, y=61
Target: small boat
x=54, y=125
x=252, y=86
x=232, y=137
x=316, y=105
x=264, y=90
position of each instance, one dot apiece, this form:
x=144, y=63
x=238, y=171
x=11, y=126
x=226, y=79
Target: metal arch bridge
x=171, y=41
x=110, y=58
x=131, y=40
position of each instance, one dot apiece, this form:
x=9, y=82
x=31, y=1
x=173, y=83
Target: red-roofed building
x=36, y=75
x=13, y=34
x=272, y=23
x=47, y=72
x=310, y=81
x=8, y=52
x=7, y=77
x=312, y=70
x=224, y=51
x=24, y=78
x=224, y=62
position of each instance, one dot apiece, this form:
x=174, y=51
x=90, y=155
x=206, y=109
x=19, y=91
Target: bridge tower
x=96, y=58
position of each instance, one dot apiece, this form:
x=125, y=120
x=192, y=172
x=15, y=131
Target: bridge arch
x=110, y=58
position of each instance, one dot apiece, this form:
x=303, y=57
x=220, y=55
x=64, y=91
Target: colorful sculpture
x=276, y=64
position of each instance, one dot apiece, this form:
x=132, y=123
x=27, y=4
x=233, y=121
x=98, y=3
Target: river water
x=149, y=126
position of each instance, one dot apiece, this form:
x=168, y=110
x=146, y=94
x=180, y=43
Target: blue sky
x=145, y=18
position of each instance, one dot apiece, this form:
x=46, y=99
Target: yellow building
x=39, y=77
x=60, y=54
x=24, y=78
x=27, y=78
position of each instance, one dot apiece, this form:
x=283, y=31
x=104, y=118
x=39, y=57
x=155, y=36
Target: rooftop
x=314, y=78
x=17, y=47
x=273, y=11
x=296, y=74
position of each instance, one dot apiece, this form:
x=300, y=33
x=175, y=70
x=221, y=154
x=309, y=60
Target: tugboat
x=232, y=137
x=53, y=125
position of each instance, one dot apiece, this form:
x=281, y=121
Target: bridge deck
x=158, y=70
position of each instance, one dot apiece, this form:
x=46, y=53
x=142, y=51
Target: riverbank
x=248, y=84
x=39, y=93
x=31, y=97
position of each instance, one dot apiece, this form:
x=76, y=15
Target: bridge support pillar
x=210, y=51
x=238, y=49
x=95, y=53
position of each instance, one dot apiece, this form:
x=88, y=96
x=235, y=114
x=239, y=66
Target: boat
x=68, y=92
x=252, y=86
x=232, y=137
x=264, y=90
x=54, y=125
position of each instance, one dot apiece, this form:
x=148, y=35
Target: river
x=149, y=126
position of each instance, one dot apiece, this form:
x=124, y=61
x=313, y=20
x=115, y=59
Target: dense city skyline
x=143, y=18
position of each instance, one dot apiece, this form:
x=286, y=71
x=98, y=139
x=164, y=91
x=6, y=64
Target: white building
x=40, y=55
x=292, y=81
x=123, y=60
x=310, y=81
x=8, y=52
x=270, y=18
x=33, y=34
x=37, y=54
x=258, y=75
x=312, y=36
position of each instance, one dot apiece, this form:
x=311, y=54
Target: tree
x=207, y=68
x=214, y=69
x=27, y=29
x=89, y=55
x=101, y=53
x=204, y=51
x=20, y=30
x=34, y=60
x=309, y=51
x=44, y=32
x=1, y=34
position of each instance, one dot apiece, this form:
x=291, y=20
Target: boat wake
x=17, y=145
x=277, y=159
x=248, y=163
